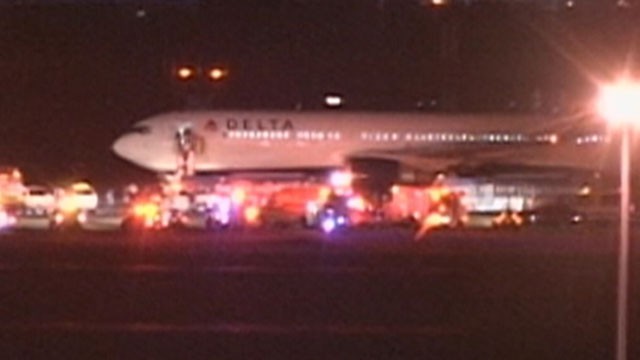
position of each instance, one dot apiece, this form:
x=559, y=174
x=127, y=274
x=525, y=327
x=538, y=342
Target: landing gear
x=186, y=142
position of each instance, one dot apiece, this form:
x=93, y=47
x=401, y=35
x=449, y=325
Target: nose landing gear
x=186, y=144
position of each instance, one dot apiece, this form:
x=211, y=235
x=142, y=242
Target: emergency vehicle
x=73, y=206
x=427, y=207
x=12, y=188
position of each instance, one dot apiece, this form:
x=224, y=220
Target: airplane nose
x=122, y=147
x=144, y=151
x=140, y=151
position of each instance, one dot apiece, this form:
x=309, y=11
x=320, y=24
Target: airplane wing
x=549, y=156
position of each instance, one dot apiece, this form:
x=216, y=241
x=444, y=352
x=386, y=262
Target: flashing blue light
x=6, y=220
x=328, y=225
x=222, y=211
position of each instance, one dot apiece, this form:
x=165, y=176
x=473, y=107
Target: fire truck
x=12, y=191
x=12, y=188
x=433, y=206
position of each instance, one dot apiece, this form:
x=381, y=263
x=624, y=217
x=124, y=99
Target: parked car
x=38, y=200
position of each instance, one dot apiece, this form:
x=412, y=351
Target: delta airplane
x=236, y=141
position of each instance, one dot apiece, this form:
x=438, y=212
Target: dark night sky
x=74, y=76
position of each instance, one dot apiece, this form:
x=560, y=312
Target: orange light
x=146, y=210
x=436, y=220
x=252, y=214
x=517, y=219
x=238, y=195
x=68, y=204
x=431, y=221
x=217, y=73
x=357, y=203
x=508, y=218
x=437, y=194
x=434, y=195
x=585, y=191
x=175, y=187
x=185, y=73
x=323, y=194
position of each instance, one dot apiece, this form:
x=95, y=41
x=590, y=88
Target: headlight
x=82, y=217
x=328, y=224
x=58, y=218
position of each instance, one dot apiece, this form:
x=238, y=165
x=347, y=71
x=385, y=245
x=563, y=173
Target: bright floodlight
x=340, y=179
x=185, y=73
x=333, y=100
x=620, y=102
x=328, y=224
x=217, y=73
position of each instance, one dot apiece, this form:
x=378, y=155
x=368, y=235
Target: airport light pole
x=619, y=104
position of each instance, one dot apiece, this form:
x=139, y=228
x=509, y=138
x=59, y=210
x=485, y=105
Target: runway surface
x=374, y=293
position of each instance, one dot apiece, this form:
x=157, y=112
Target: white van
x=38, y=199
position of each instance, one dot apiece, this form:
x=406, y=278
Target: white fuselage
x=259, y=140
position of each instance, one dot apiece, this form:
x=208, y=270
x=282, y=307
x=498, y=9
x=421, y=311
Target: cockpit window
x=140, y=129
